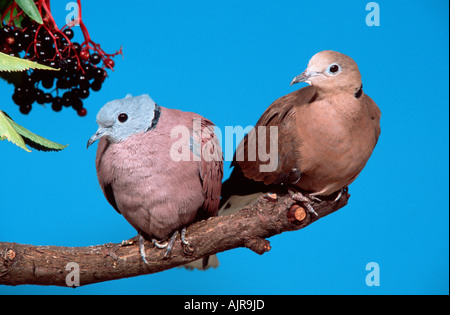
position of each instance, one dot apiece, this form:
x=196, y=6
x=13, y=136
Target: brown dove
x=160, y=168
x=326, y=134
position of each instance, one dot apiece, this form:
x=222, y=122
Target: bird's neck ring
x=156, y=115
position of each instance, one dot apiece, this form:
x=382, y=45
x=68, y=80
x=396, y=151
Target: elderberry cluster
x=80, y=70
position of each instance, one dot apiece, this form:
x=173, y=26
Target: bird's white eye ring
x=122, y=117
x=334, y=69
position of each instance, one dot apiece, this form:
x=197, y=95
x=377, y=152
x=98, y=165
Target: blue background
x=228, y=61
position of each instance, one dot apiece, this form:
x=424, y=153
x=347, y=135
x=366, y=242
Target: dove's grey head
x=330, y=71
x=119, y=119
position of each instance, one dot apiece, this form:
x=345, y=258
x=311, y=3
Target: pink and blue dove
x=144, y=176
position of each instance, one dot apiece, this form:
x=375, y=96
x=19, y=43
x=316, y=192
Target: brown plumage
x=326, y=134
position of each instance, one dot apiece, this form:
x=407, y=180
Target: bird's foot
x=170, y=244
x=159, y=244
x=187, y=248
x=306, y=200
x=339, y=195
x=312, y=197
x=142, y=248
x=341, y=192
x=183, y=237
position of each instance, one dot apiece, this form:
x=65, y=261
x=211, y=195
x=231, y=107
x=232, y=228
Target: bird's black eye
x=123, y=117
x=334, y=68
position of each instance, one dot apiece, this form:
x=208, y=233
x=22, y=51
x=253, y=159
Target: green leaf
x=10, y=14
x=30, y=9
x=27, y=137
x=8, y=132
x=10, y=63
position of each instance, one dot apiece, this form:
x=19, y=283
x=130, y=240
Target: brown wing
x=104, y=183
x=281, y=114
x=211, y=170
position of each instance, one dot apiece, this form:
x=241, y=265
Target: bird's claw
x=170, y=244
x=298, y=196
x=142, y=248
x=339, y=195
x=183, y=237
x=311, y=197
x=159, y=244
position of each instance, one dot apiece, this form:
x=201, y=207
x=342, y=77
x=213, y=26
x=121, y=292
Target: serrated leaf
x=9, y=133
x=20, y=136
x=30, y=9
x=33, y=140
x=10, y=63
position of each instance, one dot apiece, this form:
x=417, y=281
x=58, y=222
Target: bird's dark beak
x=304, y=77
x=99, y=134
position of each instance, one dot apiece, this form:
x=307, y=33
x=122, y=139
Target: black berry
x=69, y=33
x=95, y=59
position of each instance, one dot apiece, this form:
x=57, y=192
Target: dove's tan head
x=331, y=71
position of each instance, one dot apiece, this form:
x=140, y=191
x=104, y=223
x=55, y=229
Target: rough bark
x=46, y=265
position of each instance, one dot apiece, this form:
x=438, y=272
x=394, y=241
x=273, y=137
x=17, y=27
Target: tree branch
x=268, y=216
